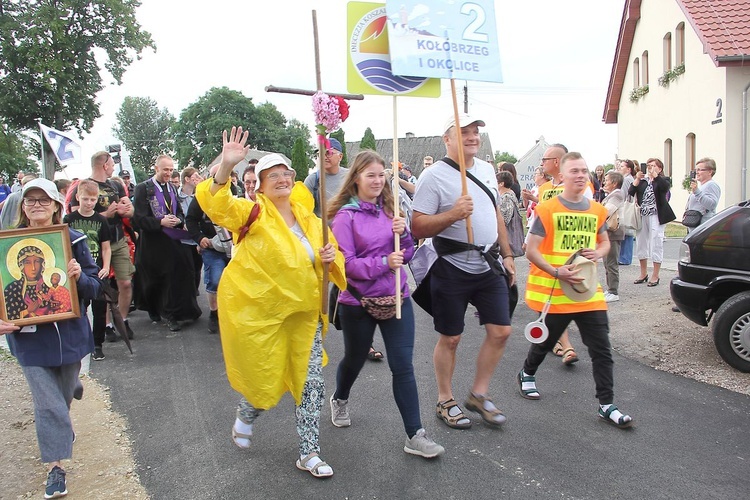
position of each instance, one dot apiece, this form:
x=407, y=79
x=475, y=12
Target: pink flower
x=328, y=111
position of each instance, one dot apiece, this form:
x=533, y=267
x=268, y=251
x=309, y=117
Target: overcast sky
x=556, y=62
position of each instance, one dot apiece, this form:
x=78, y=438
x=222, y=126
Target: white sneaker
x=340, y=412
x=423, y=446
x=611, y=297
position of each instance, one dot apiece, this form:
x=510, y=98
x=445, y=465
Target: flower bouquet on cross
x=330, y=112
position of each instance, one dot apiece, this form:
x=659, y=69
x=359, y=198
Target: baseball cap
x=335, y=144
x=124, y=173
x=464, y=120
x=269, y=161
x=45, y=185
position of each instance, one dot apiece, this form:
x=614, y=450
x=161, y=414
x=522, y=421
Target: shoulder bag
x=631, y=214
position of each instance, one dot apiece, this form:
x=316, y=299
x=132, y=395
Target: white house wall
x=737, y=80
x=687, y=106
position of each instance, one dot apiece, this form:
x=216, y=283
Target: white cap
x=269, y=161
x=464, y=119
x=45, y=185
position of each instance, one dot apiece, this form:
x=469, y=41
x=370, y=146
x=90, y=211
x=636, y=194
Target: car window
x=732, y=231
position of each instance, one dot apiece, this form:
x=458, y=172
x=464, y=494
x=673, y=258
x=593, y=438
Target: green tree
x=144, y=130
x=271, y=132
x=16, y=153
x=300, y=158
x=339, y=136
x=295, y=129
x=368, y=140
x=504, y=156
x=49, y=59
x=198, y=131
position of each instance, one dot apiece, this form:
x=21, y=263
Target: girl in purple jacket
x=364, y=226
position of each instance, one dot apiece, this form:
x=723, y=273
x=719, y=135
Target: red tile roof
x=723, y=26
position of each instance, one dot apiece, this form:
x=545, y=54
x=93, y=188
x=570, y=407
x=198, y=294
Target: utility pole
x=466, y=97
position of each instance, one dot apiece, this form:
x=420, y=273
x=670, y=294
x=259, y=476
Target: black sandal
x=641, y=280
x=374, y=355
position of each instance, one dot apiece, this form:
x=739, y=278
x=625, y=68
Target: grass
x=675, y=230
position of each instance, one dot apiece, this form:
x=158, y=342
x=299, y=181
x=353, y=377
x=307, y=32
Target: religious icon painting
x=34, y=277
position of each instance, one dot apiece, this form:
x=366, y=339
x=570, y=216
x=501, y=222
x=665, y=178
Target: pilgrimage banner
x=439, y=39
x=368, y=58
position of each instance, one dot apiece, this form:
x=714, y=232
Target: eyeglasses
x=548, y=158
x=44, y=202
x=701, y=169
x=275, y=176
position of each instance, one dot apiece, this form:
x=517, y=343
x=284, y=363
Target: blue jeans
x=626, y=251
x=398, y=336
x=213, y=265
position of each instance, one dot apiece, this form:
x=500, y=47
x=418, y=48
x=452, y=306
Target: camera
x=692, y=175
x=644, y=168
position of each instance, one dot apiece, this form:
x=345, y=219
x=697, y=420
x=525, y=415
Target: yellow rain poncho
x=269, y=295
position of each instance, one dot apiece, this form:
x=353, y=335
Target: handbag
x=631, y=214
x=692, y=218
x=515, y=234
x=333, y=307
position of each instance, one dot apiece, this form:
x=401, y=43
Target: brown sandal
x=458, y=421
x=569, y=356
x=476, y=403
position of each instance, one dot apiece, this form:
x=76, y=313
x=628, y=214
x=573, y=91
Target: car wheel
x=731, y=329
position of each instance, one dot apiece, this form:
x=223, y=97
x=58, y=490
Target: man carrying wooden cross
x=463, y=274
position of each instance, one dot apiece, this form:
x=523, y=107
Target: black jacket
x=197, y=223
x=661, y=188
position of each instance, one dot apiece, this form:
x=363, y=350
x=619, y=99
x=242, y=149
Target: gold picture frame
x=34, y=277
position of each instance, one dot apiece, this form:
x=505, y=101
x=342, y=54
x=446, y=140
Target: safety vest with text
x=566, y=231
x=549, y=190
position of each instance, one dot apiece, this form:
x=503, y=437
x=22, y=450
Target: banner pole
x=396, y=236
x=41, y=143
x=461, y=159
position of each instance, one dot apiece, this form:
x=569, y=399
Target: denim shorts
x=213, y=265
x=455, y=289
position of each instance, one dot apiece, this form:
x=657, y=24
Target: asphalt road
x=690, y=440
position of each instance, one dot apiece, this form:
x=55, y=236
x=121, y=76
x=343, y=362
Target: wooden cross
x=321, y=149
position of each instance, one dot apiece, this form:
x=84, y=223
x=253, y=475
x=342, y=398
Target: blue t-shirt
x=4, y=192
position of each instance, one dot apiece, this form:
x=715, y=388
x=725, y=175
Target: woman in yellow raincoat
x=269, y=296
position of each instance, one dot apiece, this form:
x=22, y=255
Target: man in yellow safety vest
x=566, y=224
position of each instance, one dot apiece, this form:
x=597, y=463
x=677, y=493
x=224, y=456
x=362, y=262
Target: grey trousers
x=52, y=391
x=612, y=267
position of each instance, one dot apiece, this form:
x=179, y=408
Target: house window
x=667, y=52
x=636, y=73
x=679, y=46
x=689, y=152
x=644, y=67
x=668, y=157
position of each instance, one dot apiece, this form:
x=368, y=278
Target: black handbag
x=333, y=307
x=692, y=218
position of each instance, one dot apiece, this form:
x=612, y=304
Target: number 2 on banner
x=471, y=32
